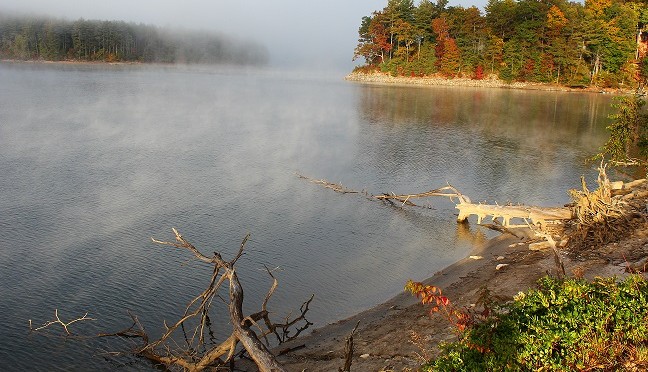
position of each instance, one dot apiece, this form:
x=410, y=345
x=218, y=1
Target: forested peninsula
x=47, y=39
x=602, y=43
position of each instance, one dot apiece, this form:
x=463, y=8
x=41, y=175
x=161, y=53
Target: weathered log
x=539, y=216
x=536, y=215
x=242, y=332
x=257, y=350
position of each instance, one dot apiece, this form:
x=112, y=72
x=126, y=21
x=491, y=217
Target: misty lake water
x=95, y=160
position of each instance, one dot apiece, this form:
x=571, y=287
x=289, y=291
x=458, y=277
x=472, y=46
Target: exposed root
x=599, y=217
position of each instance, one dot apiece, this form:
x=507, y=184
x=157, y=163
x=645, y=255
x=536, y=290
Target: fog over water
x=97, y=159
x=302, y=35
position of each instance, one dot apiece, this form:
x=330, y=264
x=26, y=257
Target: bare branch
x=195, y=322
x=333, y=186
x=348, y=350
x=57, y=320
x=198, y=308
x=448, y=191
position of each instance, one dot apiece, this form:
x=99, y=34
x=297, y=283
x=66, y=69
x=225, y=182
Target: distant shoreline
x=380, y=78
x=75, y=62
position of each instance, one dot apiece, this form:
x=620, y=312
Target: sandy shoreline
x=400, y=334
x=386, y=79
x=383, y=340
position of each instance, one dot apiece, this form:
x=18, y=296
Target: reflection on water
x=474, y=237
x=97, y=159
x=492, y=143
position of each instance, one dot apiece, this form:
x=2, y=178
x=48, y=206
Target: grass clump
x=568, y=325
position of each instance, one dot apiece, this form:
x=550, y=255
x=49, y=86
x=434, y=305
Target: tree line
x=29, y=38
x=600, y=42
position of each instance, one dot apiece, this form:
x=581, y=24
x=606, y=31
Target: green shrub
x=562, y=326
x=628, y=142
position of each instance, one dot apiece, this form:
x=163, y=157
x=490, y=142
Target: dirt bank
x=401, y=334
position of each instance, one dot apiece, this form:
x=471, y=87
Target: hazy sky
x=298, y=33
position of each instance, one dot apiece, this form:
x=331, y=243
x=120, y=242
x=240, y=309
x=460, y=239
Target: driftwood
x=242, y=325
x=197, y=354
x=592, y=214
x=348, y=351
x=604, y=214
x=447, y=191
x=540, y=216
x=329, y=185
x=57, y=320
x=537, y=215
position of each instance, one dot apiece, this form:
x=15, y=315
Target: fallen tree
x=194, y=325
x=536, y=215
x=591, y=215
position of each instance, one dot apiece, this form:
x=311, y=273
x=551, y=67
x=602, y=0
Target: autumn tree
x=608, y=26
x=468, y=29
x=406, y=38
x=372, y=43
x=600, y=42
x=365, y=41
x=446, y=50
x=92, y=40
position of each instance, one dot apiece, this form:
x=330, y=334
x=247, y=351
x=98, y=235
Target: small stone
x=476, y=257
x=539, y=246
x=499, y=266
x=364, y=356
x=500, y=258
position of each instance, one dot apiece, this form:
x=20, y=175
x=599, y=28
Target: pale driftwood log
x=537, y=215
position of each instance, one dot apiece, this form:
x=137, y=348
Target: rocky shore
x=490, y=82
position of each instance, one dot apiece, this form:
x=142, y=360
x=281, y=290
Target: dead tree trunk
x=195, y=324
x=242, y=332
x=536, y=215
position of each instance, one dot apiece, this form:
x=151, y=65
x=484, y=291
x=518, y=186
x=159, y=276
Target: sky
x=299, y=34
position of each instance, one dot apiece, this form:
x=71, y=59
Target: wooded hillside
x=47, y=39
x=600, y=42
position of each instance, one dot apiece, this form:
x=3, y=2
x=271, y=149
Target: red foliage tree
x=446, y=49
x=479, y=73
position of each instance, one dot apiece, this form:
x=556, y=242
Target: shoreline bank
x=384, y=340
x=401, y=334
x=73, y=62
x=380, y=78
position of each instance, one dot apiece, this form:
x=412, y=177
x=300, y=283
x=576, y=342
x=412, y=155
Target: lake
x=97, y=159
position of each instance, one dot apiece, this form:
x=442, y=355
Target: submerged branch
x=329, y=185
x=442, y=191
x=196, y=354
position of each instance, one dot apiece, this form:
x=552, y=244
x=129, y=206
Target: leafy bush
x=562, y=326
x=628, y=142
x=365, y=69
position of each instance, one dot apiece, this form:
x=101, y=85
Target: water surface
x=95, y=160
